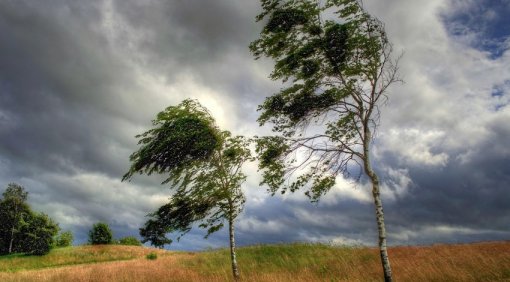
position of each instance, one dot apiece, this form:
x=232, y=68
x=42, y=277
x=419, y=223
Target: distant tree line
x=101, y=234
x=23, y=230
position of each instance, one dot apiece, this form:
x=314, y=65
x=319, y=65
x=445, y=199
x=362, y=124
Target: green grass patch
x=70, y=256
x=320, y=259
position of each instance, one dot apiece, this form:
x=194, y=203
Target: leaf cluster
x=325, y=59
x=182, y=136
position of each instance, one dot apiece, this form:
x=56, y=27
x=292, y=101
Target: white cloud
x=413, y=146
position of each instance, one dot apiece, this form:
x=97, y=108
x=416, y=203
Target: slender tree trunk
x=379, y=214
x=235, y=270
x=16, y=222
x=12, y=240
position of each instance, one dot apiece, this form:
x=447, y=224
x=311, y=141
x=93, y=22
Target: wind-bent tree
x=335, y=60
x=204, y=167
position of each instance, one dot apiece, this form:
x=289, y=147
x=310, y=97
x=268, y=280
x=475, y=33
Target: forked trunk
x=235, y=270
x=379, y=214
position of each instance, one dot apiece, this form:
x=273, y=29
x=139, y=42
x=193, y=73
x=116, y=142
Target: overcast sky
x=79, y=79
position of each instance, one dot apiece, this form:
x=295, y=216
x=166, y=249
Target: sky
x=79, y=79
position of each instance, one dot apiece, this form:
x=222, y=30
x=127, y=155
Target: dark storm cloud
x=78, y=79
x=56, y=80
x=208, y=38
x=467, y=198
x=69, y=106
x=191, y=33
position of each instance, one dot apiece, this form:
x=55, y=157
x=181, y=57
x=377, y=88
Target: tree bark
x=379, y=214
x=11, y=241
x=235, y=270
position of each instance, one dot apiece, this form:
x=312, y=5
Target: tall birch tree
x=336, y=63
x=13, y=209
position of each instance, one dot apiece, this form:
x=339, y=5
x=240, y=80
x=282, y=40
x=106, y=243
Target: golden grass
x=294, y=262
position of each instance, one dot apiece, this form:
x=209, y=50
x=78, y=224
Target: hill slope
x=293, y=262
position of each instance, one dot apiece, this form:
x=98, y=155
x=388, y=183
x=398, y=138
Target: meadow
x=489, y=261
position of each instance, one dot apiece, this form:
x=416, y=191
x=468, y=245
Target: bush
x=37, y=234
x=129, y=241
x=100, y=234
x=64, y=239
x=152, y=256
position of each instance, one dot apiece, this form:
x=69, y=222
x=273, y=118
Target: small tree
x=340, y=70
x=13, y=210
x=204, y=166
x=100, y=234
x=64, y=239
x=21, y=229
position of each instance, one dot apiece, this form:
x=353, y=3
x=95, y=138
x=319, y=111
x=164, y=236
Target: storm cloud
x=79, y=79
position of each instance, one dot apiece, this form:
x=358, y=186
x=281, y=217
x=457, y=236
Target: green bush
x=100, y=234
x=152, y=256
x=129, y=241
x=64, y=239
x=37, y=234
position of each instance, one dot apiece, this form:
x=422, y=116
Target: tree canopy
x=339, y=69
x=100, y=234
x=21, y=229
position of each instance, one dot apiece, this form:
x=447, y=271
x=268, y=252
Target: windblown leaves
x=183, y=134
x=333, y=72
x=203, y=165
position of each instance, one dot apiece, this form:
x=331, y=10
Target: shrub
x=100, y=234
x=129, y=241
x=152, y=256
x=37, y=234
x=64, y=239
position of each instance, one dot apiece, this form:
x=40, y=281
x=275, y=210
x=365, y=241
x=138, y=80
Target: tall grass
x=293, y=262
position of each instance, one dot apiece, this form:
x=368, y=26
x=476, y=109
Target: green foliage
x=37, y=234
x=154, y=231
x=152, y=256
x=129, y=241
x=21, y=229
x=64, y=239
x=182, y=135
x=204, y=167
x=100, y=234
x=339, y=69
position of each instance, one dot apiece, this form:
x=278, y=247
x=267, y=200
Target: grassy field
x=292, y=262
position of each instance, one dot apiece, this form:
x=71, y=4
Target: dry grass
x=295, y=262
